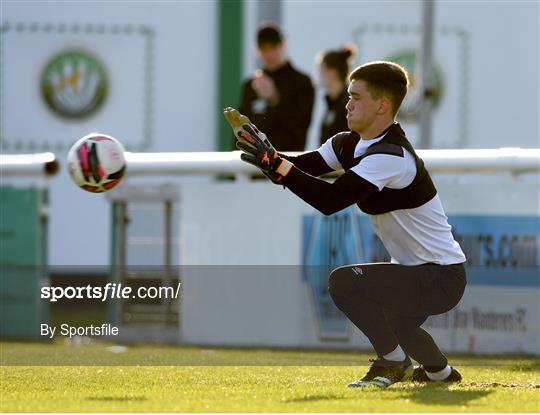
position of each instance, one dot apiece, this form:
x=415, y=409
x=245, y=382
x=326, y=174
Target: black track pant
x=389, y=303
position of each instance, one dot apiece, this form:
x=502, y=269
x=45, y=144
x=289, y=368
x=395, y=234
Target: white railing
x=503, y=160
x=38, y=164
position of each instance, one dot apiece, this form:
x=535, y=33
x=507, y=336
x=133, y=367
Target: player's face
x=271, y=56
x=361, y=107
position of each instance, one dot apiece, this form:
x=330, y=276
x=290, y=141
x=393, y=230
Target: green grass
x=275, y=381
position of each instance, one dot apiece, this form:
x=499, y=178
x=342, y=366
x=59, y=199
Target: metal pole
x=167, y=235
x=426, y=81
x=502, y=160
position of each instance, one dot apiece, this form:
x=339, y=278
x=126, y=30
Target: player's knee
x=340, y=283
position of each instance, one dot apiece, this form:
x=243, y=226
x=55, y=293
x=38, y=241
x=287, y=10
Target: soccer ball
x=96, y=162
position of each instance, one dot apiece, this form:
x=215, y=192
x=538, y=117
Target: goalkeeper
x=384, y=176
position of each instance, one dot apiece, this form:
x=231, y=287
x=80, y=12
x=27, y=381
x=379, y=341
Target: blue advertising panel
x=501, y=250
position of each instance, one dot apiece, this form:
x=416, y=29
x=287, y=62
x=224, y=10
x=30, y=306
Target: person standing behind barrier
x=278, y=97
x=334, y=67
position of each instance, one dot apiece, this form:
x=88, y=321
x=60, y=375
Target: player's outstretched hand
x=256, y=148
x=237, y=121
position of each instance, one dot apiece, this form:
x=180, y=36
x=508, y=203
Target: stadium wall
x=162, y=61
x=161, y=65
x=243, y=287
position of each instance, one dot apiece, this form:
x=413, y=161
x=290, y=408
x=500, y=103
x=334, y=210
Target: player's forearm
x=328, y=198
x=311, y=163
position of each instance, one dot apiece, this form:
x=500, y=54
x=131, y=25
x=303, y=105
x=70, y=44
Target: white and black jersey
x=387, y=180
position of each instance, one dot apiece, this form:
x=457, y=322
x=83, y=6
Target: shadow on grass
x=424, y=395
x=440, y=395
x=525, y=367
x=311, y=398
x=116, y=398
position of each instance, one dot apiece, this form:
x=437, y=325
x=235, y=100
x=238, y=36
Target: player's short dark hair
x=268, y=33
x=383, y=78
x=339, y=60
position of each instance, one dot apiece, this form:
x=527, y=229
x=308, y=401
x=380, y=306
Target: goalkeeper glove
x=256, y=148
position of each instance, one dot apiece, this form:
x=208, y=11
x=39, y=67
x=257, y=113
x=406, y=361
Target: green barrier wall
x=23, y=253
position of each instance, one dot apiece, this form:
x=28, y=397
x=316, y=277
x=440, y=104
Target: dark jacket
x=287, y=123
x=335, y=118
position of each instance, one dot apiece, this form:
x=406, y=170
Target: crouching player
x=385, y=177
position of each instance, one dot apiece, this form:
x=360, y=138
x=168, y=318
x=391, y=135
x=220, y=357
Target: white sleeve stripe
x=385, y=170
x=367, y=178
x=329, y=156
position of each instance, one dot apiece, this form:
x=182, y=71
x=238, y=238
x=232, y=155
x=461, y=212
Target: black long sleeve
x=311, y=163
x=329, y=198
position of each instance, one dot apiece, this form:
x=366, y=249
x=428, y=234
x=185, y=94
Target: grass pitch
x=223, y=380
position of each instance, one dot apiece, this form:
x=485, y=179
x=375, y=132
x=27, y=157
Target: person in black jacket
x=278, y=98
x=334, y=67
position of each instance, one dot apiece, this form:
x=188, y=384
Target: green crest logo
x=410, y=108
x=74, y=84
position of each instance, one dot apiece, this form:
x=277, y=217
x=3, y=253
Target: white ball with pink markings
x=96, y=162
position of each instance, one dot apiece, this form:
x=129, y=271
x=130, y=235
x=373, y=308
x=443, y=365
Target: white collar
x=362, y=145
